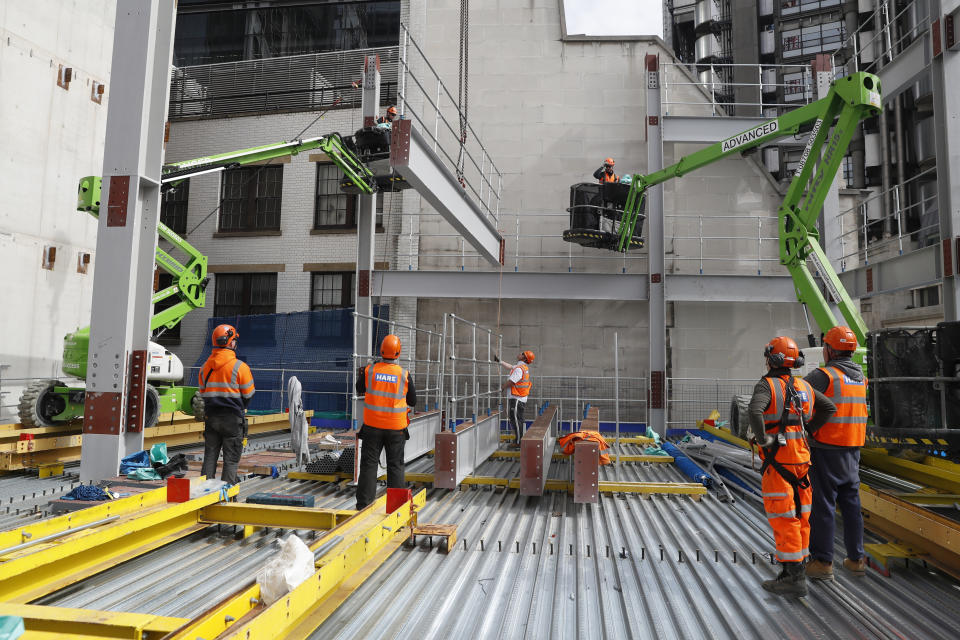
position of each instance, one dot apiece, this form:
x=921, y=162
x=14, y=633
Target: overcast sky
x=614, y=17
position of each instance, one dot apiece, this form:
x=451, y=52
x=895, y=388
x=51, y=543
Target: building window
x=164, y=335
x=245, y=294
x=925, y=297
x=334, y=209
x=250, y=198
x=331, y=290
x=173, y=207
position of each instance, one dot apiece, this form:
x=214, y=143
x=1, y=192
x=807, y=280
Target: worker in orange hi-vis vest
x=782, y=410
x=388, y=391
x=835, y=457
x=519, y=385
x=226, y=386
x=605, y=172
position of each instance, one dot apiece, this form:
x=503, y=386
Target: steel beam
x=914, y=269
x=536, y=452
x=906, y=68
x=458, y=453
x=657, y=303
x=127, y=235
x=423, y=429
x=412, y=158
x=944, y=72
x=706, y=129
x=582, y=286
x=268, y=515
x=62, y=622
x=586, y=472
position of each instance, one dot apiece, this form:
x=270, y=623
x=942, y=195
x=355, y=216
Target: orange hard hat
x=390, y=347
x=223, y=336
x=392, y=111
x=609, y=161
x=783, y=352
x=841, y=338
x=528, y=356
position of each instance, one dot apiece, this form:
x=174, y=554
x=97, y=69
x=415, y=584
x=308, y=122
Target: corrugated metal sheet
x=24, y=497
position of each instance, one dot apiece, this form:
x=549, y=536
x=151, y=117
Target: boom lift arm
x=834, y=118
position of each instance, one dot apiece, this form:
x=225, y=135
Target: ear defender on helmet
x=776, y=360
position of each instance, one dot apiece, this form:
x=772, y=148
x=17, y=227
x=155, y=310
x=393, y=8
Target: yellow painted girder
x=35, y=571
x=82, y=517
x=266, y=515
x=726, y=435
x=362, y=538
x=928, y=475
x=61, y=622
x=318, y=477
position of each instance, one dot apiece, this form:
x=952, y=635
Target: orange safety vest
x=522, y=389
x=569, y=442
x=225, y=382
x=848, y=426
x=609, y=177
x=795, y=451
x=385, y=398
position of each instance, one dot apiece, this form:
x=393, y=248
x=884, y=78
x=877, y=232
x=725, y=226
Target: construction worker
x=781, y=408
x=388, y=390
x=605, y=173
x=519, y=385
x=226, y=386
x=389, y=117
x=835, y=457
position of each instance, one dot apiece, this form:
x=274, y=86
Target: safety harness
x=791, y=399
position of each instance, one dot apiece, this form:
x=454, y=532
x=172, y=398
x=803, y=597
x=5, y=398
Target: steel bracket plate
x=117, y=201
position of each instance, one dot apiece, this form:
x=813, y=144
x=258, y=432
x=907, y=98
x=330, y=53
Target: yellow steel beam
x=726, y=435
x=361, y=539
x=944, y=499
x=633, y=440
x=61, y=622
x=928, y=475
x=642, y=458
x=913, y=526
x=318, y=477
x=81, y=518
x=30, y=573
x=266, y=515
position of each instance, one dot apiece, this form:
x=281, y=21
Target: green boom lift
x=52, y=402
x=834, y=119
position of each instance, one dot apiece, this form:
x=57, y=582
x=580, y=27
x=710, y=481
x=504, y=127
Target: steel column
x=656, y=306
x=127, y=236
x=945, y=69
x=536, y=452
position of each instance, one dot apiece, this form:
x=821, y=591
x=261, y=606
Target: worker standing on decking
x=226, y=386
x=519, y=384
x=835, y=457
x=387, y=390
x=605, y=172
x=781, y=409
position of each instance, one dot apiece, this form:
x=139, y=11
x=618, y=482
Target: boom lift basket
x=372, y=146
x=596, y=210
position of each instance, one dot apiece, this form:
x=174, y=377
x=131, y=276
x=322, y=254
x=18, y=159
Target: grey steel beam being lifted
x=413, y=159
x=581, y=286
x=458, y=453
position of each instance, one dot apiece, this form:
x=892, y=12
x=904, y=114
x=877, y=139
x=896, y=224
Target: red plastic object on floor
x=397, y=498
x=178, y=489
x=26, y=436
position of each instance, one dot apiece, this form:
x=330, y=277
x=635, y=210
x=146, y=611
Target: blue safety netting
x=314, y=346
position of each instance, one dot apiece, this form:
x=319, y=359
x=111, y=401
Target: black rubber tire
x=35, y=408
x=196, y=403
x=151, y=407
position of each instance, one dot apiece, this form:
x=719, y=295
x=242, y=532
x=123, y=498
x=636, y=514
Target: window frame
x=249, y=199
x=350, y=217
x=346, y=289
x=180, y=205
x=246, y=306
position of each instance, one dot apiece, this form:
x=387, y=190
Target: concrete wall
x=51, y=138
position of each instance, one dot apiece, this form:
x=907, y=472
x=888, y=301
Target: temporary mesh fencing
x=314, y=346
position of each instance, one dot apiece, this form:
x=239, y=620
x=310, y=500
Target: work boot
x=857, y=567
x=819, y=570
x=792, y=581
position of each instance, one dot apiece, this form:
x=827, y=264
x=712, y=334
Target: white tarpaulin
x=298, y=422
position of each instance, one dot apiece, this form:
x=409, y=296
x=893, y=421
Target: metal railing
x=881, y=45
x=692, y=399
x=473, y=389
x=307, y=82
x=424, y=98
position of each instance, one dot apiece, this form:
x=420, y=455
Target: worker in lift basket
x=389, y=117
x=226, y=386
x=387, y=390
x=519, y=385
x=781, y=410
x=835, y=457
x=605, y=172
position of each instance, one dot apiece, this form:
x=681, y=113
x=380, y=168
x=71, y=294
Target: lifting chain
x=463, y=83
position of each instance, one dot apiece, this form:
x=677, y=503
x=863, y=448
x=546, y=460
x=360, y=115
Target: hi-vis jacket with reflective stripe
x=796, y=450
x=521, y=389
x=385, y=398
x=226, y=383
x=848, y=426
